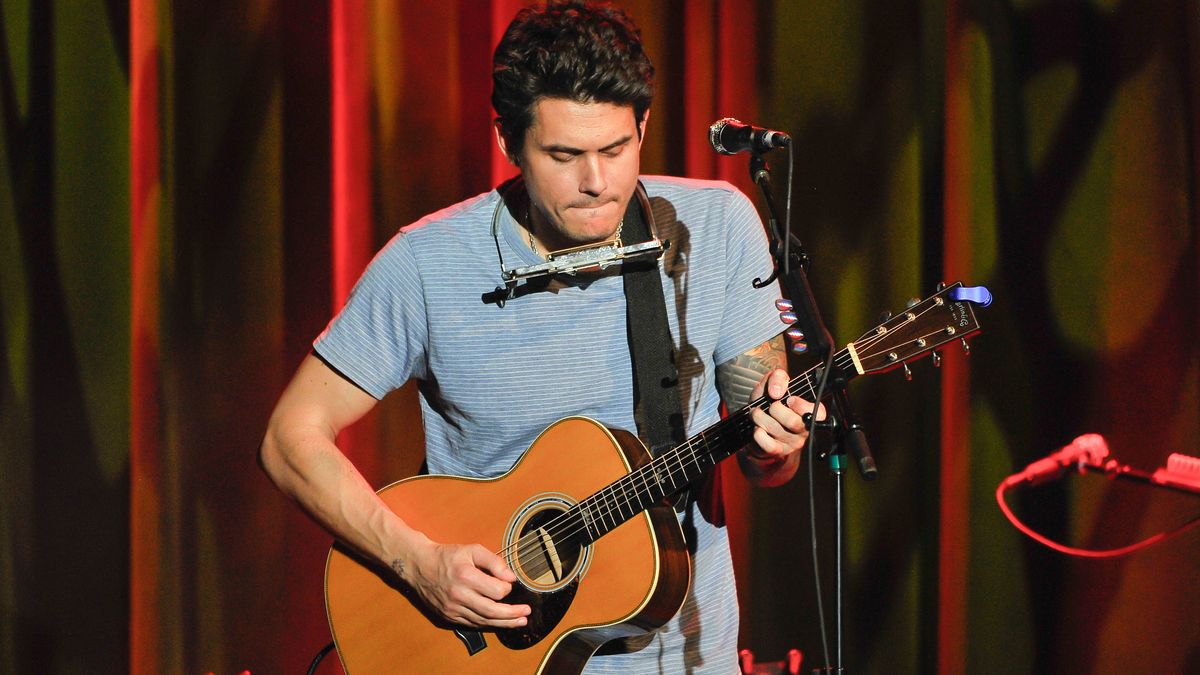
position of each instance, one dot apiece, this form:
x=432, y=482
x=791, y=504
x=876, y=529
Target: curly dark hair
x=581, y=51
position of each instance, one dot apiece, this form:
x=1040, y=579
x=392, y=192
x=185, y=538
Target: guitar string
x=613, y=509
x=614, y=506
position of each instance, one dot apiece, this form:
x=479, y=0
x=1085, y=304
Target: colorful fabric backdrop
x=188, y=190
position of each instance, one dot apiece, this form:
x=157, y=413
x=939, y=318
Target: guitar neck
x=923, y=327
x=677, y=468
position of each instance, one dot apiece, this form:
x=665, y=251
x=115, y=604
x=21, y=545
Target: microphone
x=1086, y=449
x=729, y=137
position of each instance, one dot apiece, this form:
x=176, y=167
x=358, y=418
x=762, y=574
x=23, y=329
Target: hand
x=464, y=584
x=779, y=432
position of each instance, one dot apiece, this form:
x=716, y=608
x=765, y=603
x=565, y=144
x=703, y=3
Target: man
x=572, y=90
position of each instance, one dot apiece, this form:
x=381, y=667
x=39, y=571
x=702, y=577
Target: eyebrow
x=578, y=151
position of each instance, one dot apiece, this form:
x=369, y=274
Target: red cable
x=1082, y=552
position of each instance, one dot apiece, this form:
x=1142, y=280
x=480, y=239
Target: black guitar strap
x=655, y=395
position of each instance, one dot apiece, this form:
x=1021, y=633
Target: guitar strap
x=655, y=395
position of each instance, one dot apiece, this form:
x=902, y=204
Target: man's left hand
x=779, y=434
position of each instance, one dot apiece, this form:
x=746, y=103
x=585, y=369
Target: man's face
x=580, y=162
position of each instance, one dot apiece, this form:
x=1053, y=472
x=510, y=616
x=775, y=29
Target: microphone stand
x=791, y=263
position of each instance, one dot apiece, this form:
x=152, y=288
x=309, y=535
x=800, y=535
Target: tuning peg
x=799, y=347
x=884, y=316
x=907, y=373
x=937, y=359
x=941, y=286
x=966, y=347
x=795, y=334
x=912, y=302
x=783, y=305
x=787, y=317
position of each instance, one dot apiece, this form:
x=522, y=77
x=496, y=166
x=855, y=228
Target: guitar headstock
x=944, y=317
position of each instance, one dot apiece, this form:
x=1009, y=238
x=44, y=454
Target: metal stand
x=791, y=265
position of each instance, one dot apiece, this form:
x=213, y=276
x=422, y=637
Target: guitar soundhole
x=544, y=551
x=545, y=555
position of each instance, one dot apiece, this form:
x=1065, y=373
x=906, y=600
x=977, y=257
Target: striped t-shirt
x=492, y=377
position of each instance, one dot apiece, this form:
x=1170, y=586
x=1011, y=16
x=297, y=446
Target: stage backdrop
x=188, y=190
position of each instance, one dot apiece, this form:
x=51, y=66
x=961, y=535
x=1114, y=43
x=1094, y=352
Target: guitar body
x=630, y=581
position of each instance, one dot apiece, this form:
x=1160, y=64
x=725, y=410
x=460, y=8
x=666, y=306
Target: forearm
x=304, y=462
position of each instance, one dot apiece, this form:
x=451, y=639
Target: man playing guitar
x=572, y=88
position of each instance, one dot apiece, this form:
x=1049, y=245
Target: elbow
x=270, y=455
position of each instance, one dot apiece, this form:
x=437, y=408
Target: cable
x=787, y=217
x=312, y=667
x=812, y=501
x=1081, y=552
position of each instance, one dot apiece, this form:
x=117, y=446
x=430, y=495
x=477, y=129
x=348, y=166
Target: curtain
x=188, y=191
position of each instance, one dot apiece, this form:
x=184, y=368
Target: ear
x=500, y=141
x=642, y=128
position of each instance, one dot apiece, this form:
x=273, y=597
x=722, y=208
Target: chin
x=589, y=235
x=589, y=231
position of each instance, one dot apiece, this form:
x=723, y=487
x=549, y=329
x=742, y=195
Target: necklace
x=529, y=230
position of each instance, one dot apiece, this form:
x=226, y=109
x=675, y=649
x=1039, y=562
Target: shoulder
x=454, y=218
x=694, y=199
x=676, y=186
x=411, y=251
x=450, y=229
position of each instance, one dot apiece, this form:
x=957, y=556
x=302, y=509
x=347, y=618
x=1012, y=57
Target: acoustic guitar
x=582, y=520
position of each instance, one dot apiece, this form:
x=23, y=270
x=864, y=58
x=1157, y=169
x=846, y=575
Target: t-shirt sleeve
x=750, y=317
x=378, y=339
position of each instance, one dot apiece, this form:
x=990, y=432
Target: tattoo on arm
x=736, y=378
x=398, y=567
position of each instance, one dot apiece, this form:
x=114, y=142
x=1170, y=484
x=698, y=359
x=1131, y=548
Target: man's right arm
x=299, y=454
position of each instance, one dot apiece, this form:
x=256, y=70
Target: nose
x=591, y=180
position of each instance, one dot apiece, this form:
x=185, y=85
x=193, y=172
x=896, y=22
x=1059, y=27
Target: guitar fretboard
x=677, y=468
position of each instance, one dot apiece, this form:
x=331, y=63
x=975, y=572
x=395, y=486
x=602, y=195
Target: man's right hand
x=463, y=583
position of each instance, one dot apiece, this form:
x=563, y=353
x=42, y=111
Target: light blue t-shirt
x=491, y=378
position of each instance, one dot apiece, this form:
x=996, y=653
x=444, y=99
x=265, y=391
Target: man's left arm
x=772, y=457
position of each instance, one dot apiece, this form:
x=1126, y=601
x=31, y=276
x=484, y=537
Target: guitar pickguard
x=546, y=611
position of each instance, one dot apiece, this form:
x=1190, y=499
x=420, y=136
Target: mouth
x=592, y=206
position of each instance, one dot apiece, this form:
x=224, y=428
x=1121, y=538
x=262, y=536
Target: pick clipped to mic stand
x=841, y=429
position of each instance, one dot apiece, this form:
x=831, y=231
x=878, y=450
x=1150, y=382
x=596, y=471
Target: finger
x=470, y=617
x=790, y=415
x=766, y=447
x=492, y=564
x=778, y=436
x=484, y=584
x=803, y=407
x=494, y=613
x=777, y=383
x=781, y=421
